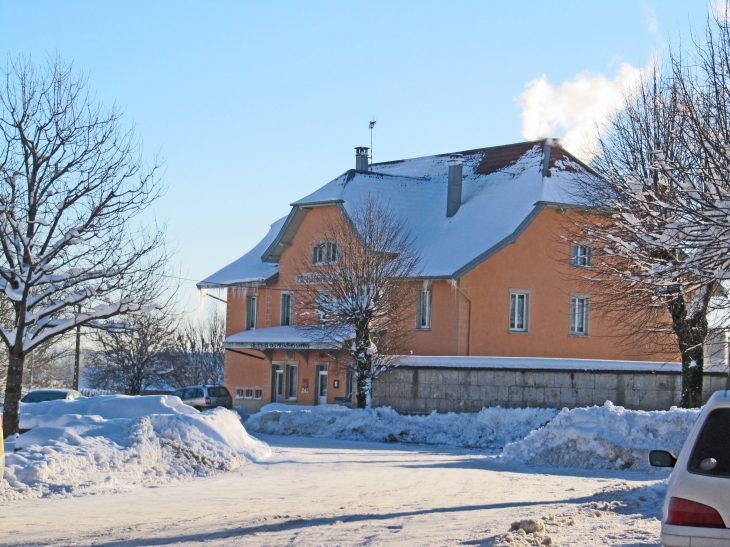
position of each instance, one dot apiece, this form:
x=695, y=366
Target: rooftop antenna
x=372, y=126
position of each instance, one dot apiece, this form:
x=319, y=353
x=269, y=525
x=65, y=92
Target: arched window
x=325, y=252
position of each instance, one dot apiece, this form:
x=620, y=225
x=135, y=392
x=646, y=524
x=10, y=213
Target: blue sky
x=254, y=105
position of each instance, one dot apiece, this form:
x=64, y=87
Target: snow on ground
x=573, y=478
x=315, y=492
x=608, y=436
x=113, y=442
x=489, y=429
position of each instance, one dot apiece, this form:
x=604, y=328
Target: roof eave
x=230, y=284
x=281, y=345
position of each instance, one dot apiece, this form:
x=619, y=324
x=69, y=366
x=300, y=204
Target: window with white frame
x=258, y=393
x=423, y=309
x=579, y=308
x=519, y=311
x=581, y=255
x=292, y=382
x=287, y=309
x=325, y=252
x=244, y=393
x=251, y=312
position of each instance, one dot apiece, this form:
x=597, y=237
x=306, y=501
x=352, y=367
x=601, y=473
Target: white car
x=697, y=507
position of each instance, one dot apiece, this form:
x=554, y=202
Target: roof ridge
x=471, y=151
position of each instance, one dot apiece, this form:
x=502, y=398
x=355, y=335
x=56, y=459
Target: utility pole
x=78, y=351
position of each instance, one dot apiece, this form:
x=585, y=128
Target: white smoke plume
x=577, y=107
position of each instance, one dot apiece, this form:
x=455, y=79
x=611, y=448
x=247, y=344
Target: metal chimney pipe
x=361, y=158
x=453, y=199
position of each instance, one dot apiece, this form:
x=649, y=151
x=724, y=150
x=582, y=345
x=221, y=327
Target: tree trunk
x=692, y=374
x=691, y=332
x=363, y=364
x=362, y=387
x=13, y=393
x=691, y=336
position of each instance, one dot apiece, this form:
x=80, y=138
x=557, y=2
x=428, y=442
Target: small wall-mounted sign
x=305, y=385
x=336, y=384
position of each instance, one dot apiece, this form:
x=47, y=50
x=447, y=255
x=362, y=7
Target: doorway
x=322, y=382
x=277, y=380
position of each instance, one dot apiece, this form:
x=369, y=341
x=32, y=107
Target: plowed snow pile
x=112, y=442
x=608, y=437
x=491, y=428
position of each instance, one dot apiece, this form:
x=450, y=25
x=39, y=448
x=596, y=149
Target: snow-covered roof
x=290, y=337
x=504, y=188
x=249, y=269
x=523, y=363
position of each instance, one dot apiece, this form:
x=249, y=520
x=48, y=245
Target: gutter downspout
x=468, y=331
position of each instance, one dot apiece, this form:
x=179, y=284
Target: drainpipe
x=468, y=331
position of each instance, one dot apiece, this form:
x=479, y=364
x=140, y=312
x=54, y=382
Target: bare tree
x=356, y=283
x=197, y=354
x=135, y=357
x=661, y=246
x=72, y=182
x=49, y=365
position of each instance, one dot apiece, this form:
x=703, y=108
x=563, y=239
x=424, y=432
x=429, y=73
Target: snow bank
x=113, y=442
x=609, y=437
x=491, y=428
x=107, y=407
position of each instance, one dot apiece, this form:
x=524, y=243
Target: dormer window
x=325, y=252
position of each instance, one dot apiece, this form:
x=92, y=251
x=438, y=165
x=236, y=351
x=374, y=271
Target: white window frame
x=288, y=311
x=517, y=296
x=330, y=252
x=578, y=302
x=288, y=371
x=424, y=303
x=252, y=312
x=258, y=393
x=241, y=392
x=576, y=258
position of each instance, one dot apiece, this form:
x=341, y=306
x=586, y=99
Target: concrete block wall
x=423, y=389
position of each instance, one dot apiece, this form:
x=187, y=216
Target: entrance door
x=279, y=385
x=322, y=391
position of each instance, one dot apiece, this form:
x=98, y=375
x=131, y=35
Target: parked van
x=697, y=506
x=205, y=397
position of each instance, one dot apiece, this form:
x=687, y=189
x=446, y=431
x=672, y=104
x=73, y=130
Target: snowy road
x=324, y=492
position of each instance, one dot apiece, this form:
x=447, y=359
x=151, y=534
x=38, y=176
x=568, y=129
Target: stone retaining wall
x=423, y=389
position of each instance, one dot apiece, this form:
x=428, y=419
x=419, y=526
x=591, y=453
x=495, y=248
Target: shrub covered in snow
x=491, y=428
x=608, y=436
x=117, y=441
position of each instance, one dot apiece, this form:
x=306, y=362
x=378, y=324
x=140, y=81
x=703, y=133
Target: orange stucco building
x=496, y=277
